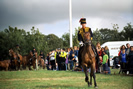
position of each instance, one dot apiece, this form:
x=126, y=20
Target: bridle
x=87, y=41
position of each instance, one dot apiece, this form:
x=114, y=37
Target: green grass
x=43, y=79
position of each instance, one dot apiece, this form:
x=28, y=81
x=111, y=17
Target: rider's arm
x=91, y=33
x=79, y=37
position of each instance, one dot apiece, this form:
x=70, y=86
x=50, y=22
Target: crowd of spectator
x=67, y=59
x=126, y=58
x=62, y=59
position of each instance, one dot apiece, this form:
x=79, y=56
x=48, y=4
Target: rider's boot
x=18, y=59
x=79, y=58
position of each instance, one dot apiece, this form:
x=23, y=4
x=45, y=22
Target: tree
x=127, y=32
x=96, y=36
x=75, y=37
x=66, y=40
x=54, y=42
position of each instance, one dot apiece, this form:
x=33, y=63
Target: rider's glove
x=81, y=43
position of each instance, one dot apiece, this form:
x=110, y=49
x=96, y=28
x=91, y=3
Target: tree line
x=11, y=37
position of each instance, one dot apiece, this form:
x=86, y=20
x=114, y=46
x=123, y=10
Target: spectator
x=107, y=51
x=102, y=49
x=123, y=60
x=98, y=45
x=121, y=48
x=59, y=61
x=74, y=58
x=52, y=61
x=70, y=62
x=78, y=48
x=75, y=51
x=63, y=59
x=130, y=62
x=99, y=52
x=128, y=48
x=105, y=62
x=47, y=63
x=100, y=64
x=66, y=62
x=55, y=55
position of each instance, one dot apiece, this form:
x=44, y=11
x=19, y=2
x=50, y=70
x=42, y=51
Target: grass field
x=43, y=79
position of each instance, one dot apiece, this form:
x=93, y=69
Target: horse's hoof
x=86, y=79
x=96, y=87
x=89, y=85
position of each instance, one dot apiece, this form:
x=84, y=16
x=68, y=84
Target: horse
x=41, y=62
x=33, y=61
x=5, y=64
x=26, y=60
x=88, y=59
x=15, y=62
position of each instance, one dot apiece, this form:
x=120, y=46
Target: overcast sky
x=52, y=16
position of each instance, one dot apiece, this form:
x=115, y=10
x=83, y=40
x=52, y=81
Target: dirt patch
x=30, y=79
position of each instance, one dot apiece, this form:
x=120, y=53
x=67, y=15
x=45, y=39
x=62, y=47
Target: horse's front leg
x=21, y=64
x=86, y=74
x=94, y=76
x=34, y=64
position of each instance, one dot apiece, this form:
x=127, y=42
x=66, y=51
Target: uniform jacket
x=81, y=32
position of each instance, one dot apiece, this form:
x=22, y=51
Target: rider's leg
x=79, y=56
x=18, y=57
x=97, y=58
x=96, y=54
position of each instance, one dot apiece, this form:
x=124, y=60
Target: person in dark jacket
x=33, y=52
x=70, y=61
x=58, y=61
x=48, y=62
x=42, y=55
x=17, y=51
x=130, y=60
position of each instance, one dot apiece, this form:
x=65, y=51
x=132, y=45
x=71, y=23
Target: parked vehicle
x=114, y=48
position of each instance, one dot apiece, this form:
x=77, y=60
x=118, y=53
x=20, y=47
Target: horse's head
x=87, y=38
x=10, y=52
x=31, y=54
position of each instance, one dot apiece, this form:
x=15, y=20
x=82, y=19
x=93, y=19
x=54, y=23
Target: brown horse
x=41, y=62
x=15, y=61
x=26, y=60
x=5, y=64
x=33, y=61
x=88, y=59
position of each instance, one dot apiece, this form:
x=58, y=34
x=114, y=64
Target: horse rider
x=81, y=40
x=33, y=52
x=42, y=55
x=17, y=51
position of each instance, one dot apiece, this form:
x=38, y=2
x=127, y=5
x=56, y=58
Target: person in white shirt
x=52, y=61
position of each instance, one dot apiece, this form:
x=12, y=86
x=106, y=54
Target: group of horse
x=22, y=62
x=87, y=55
